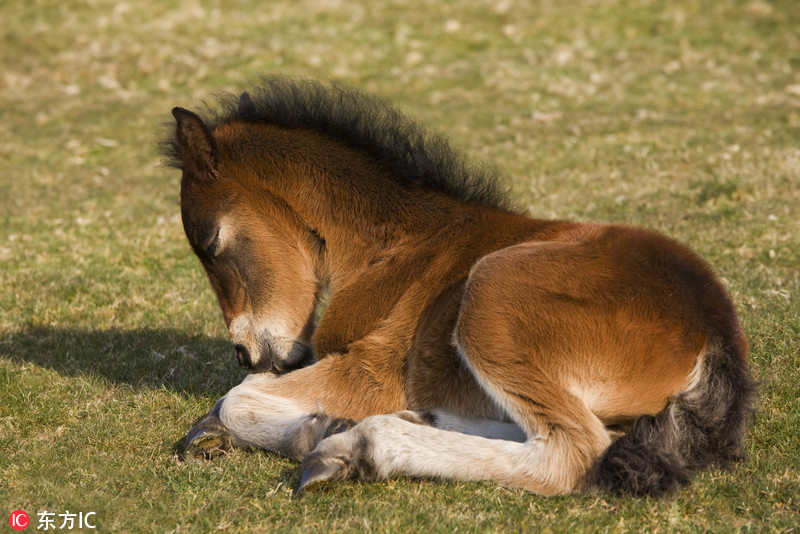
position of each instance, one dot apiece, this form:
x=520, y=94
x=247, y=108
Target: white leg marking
x=398, y=448
x=388, y=446
x=256, y=418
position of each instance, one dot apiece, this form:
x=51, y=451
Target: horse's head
x=251, y=247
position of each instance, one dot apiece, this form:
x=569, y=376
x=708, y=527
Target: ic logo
x=18, y=520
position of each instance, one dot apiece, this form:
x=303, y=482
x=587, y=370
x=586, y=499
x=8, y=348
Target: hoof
x=208, y=439
x=319, y=472
x=343, y=456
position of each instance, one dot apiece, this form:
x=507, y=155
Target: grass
x=681, y=116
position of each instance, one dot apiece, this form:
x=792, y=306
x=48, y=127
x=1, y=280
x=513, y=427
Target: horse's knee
x=257, y=417
x=234, y=409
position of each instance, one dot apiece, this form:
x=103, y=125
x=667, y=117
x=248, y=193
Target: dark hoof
x=340, y=457
x=208, y=439
x=319, y=472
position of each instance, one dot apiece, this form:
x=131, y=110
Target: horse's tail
x=701, y=427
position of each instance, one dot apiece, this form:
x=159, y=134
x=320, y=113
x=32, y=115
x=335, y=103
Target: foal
x=462, y=339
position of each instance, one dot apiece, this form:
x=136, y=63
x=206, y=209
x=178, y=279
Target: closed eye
x=212, y=246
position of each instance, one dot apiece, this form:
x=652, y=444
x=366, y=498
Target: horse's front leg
x=269, y=413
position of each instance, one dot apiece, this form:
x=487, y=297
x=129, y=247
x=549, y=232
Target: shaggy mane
x=365, y=121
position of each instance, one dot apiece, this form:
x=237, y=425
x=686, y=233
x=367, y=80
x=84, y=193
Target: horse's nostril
x=243, y=355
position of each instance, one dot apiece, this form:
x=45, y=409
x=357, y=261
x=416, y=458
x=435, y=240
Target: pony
x=462, y=339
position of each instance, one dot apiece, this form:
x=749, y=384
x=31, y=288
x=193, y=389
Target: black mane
x=365, y=121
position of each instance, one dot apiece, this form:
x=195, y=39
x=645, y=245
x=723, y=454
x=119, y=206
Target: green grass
x=681, y=116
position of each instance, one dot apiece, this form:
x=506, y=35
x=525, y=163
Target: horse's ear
x=246, y=106
x=196, y=146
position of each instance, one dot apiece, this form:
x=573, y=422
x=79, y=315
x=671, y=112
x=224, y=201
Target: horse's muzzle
x=263, y=361
x=268, y=359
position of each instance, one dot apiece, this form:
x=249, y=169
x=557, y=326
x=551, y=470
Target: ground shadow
x=145, y=358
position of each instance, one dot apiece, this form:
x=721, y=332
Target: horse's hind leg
x=430, y=443
x=554, y=458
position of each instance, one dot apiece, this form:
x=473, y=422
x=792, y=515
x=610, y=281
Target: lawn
x=680, y=116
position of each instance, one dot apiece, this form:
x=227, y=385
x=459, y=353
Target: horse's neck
x=357, y=207
x=362, y=231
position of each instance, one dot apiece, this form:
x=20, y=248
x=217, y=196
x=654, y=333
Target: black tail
x=702, y=427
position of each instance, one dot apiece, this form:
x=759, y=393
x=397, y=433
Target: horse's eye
x=212, y=246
